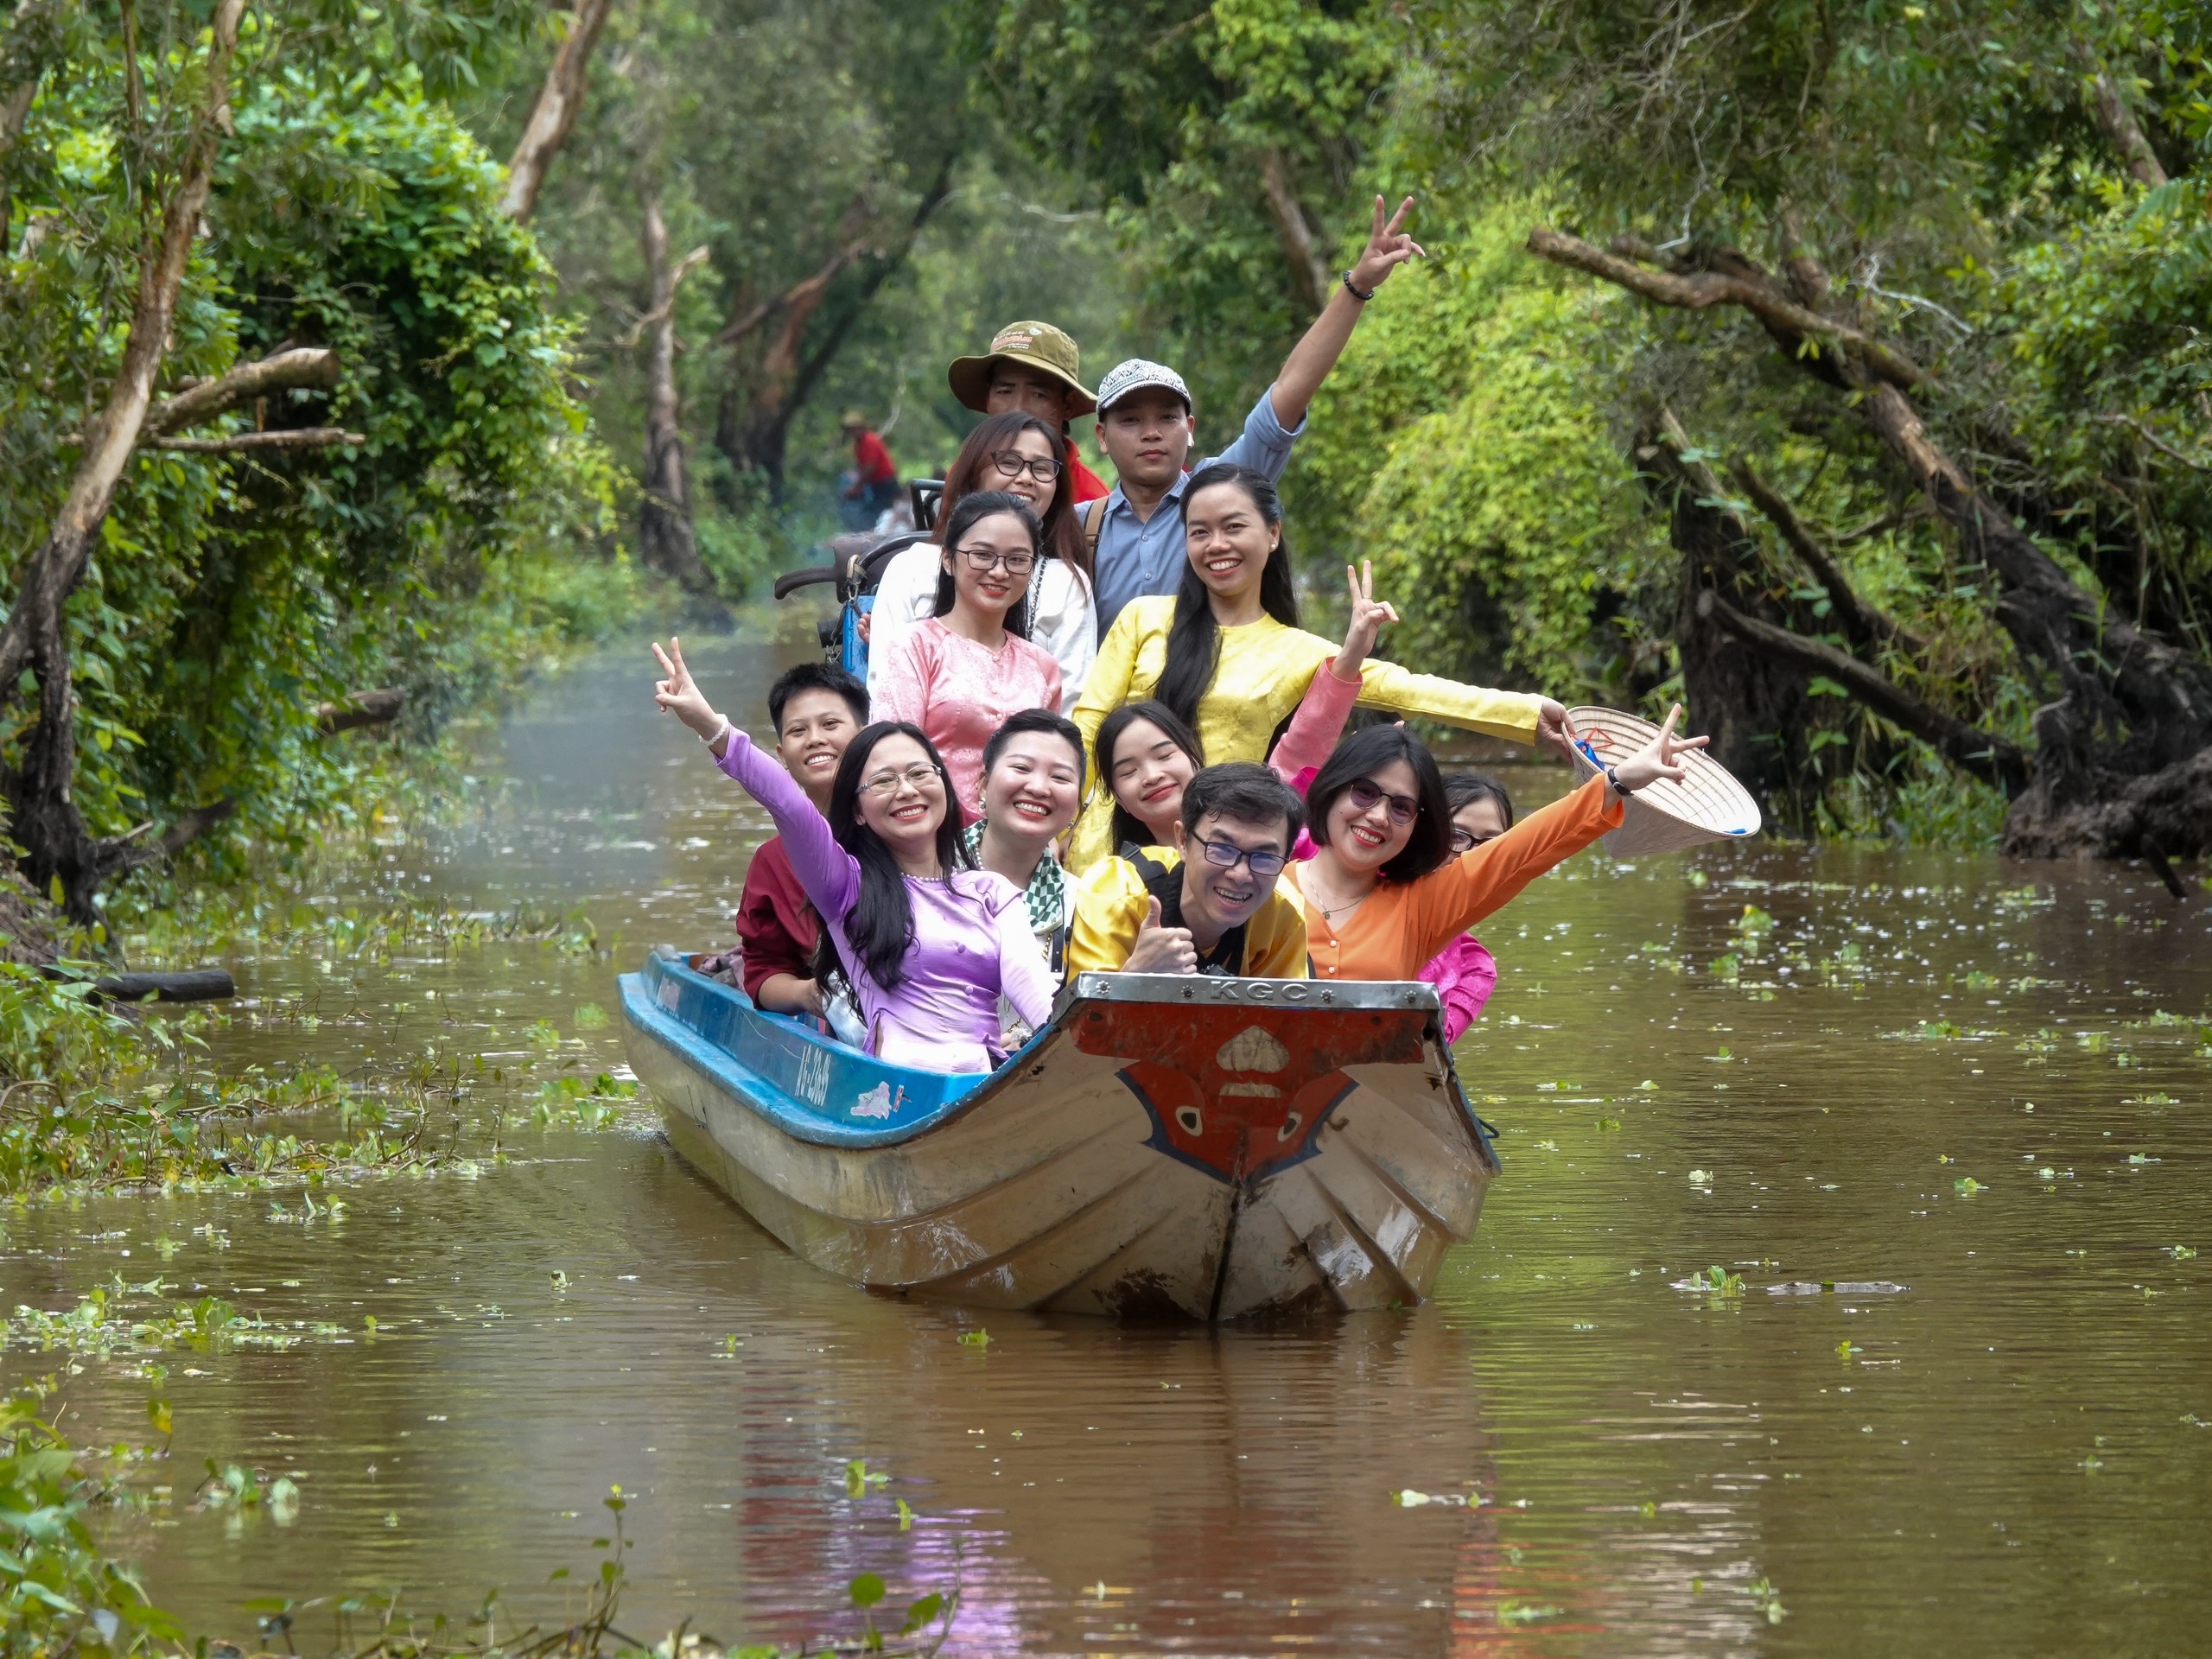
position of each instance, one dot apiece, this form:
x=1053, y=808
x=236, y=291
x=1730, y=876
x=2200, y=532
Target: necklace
x=1329, y=912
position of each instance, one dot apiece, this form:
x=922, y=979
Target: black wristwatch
x=1363, y=295
x=1619, y=788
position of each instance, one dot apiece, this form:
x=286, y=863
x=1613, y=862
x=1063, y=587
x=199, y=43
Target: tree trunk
x=1309, y=267
x=45, y=821
x=1753, y=707
x=664, y=525
x=554, y=113
x=2118, y=121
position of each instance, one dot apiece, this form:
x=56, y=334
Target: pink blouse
x=959, y=693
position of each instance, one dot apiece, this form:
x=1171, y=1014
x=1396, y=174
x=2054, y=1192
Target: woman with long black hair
x=929, y=941
x=1227, y=657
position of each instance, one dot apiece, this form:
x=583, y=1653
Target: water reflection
x=1981, y=1082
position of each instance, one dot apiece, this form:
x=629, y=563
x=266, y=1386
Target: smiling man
x=1211, y=903
x=1146, y=426
x=816, y=711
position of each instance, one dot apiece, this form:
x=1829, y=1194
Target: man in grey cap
x=1146, y=425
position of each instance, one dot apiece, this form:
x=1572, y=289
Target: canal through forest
x=1937, y=1121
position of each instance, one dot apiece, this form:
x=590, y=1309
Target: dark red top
x=1089, y=487
x=873, y=460
x=775, y=923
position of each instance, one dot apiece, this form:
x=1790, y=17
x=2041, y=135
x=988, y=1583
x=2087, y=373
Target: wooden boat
x=1166, y=1145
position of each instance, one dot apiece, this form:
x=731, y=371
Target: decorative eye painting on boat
x=1244, y=1105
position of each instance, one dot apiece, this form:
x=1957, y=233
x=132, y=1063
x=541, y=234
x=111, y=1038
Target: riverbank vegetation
x=1839, y=370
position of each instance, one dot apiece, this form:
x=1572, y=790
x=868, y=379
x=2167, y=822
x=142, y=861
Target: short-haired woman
x=1383, y=892
x=930, y=942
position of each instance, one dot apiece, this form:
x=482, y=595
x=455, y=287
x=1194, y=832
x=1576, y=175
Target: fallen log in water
x=190, y=985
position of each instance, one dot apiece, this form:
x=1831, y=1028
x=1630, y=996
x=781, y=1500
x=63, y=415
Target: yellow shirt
x=1263, y=671
x=1111, y=902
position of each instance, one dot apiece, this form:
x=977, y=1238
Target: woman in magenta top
x=929, y=941
x=958, y=674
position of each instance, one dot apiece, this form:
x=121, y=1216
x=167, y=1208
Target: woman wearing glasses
x=1020, y=455
x=962, y=669
x=929, y=941
x=1383, y=893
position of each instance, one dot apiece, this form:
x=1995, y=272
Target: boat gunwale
x=787, y=1115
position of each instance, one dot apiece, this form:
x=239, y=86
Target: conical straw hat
x=1664, y=816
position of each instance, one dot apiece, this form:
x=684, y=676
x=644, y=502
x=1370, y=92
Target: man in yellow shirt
x=1212, y=904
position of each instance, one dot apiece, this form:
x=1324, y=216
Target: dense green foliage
x=232, y=594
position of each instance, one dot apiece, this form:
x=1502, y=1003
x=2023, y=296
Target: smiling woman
x=1226, y=656
x=961, y=672
x=929, y=943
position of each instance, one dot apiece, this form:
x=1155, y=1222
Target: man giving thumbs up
x=1211, y=903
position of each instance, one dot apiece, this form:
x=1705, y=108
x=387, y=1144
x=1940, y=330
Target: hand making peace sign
x=1387, y=247
x=1369, y=613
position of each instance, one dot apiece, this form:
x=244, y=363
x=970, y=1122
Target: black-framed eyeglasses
x=1466, y=841
x=982, y=561
x=1367, y=794
x=1012, y=463
x=1227, y=856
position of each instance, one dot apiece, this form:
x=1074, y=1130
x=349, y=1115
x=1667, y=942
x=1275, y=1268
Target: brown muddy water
x=1978, y=1087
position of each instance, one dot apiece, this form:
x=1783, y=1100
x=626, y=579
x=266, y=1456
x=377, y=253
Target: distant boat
x=1169, y=1144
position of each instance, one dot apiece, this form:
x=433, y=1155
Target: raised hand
x=1660, y=758
x=1369, y=613
x=1555, y=731
x=1161, y=949
x=679, y=693
x=1387, y=247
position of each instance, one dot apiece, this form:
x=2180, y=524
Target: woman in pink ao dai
x=958, y=674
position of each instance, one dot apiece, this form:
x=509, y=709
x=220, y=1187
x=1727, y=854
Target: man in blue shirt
x=1146, y=425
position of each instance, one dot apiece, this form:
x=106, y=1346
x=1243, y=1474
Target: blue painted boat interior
x=810, y=1086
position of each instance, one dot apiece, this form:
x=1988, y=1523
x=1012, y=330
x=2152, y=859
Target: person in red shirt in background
x=1035, y=369
x=872, y=487
x=816, y=711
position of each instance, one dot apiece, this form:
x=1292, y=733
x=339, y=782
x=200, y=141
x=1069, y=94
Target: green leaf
x=867, y=1590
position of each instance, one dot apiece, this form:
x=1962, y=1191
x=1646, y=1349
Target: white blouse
x=1062, y=616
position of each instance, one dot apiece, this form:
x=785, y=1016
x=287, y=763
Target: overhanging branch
x=1700, y=290
x=305, y=437
x=1863, y=624
x=304, y=367
x=1994, y=759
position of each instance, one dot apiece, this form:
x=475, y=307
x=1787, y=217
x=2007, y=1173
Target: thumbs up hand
x=1161, y=949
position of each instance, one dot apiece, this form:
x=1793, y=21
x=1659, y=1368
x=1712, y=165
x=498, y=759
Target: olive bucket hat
x=1036, y=345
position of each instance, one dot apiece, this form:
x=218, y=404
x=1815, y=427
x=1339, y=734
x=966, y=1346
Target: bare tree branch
x=358, y=709
x=803, y=294
x=190, y=826
x=1994, y=759
x=304, y=367
x=1864, y=625
x=555, y=113
x=238, y=443
x=1699, y=291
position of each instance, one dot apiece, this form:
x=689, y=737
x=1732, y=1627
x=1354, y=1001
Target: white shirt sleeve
x=1065, y=623
x=906, y=595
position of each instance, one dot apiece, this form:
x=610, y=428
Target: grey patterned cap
x=1125, y=378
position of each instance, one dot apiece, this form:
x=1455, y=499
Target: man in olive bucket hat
x=1036, y=369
